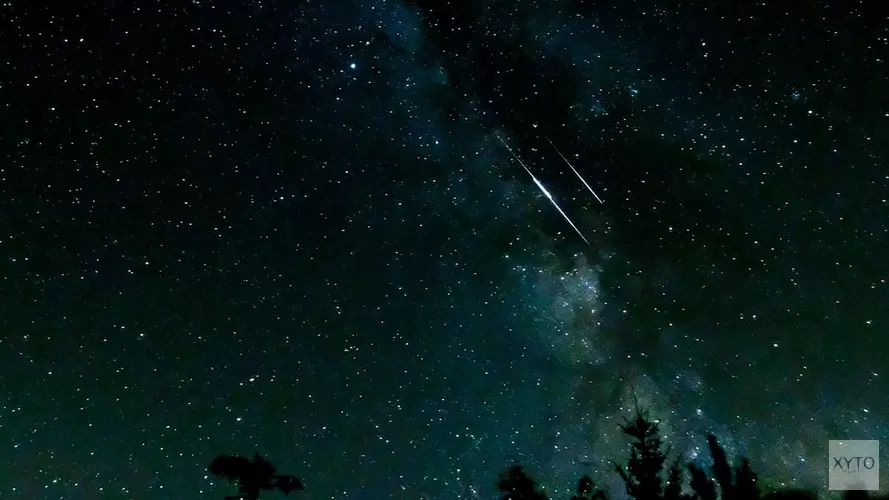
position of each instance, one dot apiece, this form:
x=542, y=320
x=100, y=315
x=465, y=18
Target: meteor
x=542, y=189
x=575, y=171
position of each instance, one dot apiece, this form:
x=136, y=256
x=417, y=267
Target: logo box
x=853, y=465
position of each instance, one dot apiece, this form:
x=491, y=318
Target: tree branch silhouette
x=252, y=476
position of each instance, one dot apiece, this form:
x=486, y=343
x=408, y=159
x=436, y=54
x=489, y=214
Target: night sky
x=291, y=228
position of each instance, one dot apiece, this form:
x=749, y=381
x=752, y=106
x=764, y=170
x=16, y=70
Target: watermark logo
x=853, y=465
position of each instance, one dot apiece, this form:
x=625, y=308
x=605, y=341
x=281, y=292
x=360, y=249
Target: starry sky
x=292, y=228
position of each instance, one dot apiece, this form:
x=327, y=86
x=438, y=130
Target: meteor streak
x=543, y=189
x=575, y=171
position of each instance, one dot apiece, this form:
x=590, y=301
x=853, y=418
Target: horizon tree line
x=647, y=475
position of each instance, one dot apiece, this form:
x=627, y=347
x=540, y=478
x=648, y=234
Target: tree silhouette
x=673, y=489
x=587, y=490
x=701, y=484
x=642, y=475
x=722, y=471
x=516, y=484
x=252, y=476
x=745, y=482
x=734, y=484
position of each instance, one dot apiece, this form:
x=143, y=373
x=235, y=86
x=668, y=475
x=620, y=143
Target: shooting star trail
x=543, y=189
x=575, y=171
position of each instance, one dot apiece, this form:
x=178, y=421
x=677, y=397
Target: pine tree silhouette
x=587, y=490
x=703, y=486
x=727, y=483
x=722, y=471
x=642, y=475
x=252, y=477
x=515, y=484
x=673, y=489
x=745, y=482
